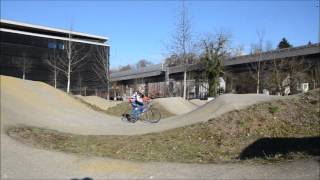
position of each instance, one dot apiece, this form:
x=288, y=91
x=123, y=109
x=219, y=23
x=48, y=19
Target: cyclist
x=137, y=101
x=141, y=104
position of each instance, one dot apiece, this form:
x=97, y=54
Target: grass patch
x=273, y=109
x=253, y=133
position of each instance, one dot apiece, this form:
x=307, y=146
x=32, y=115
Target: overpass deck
x=161, y=69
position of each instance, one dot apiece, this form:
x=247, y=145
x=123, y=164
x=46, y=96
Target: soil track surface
x=99, y=102
x=38, y=104
x=176, y=105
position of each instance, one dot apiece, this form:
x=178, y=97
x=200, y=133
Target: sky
x=144, y=29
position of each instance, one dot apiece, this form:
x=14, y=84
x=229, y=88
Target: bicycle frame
x=146, y=107
x=148, y=111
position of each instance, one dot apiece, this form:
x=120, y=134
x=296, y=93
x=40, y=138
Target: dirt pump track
x=30, y=103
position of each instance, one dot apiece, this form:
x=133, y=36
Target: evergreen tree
x=284, y=44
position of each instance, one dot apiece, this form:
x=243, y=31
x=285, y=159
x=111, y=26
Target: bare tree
x=101, y=67
x=54, y=70
x=297, y=69
x=70, y=59
x=278, y=75
x=143, y=63
x=125, y=68
x=24, y=64
x=172, y=60
x=315, y=74
x=238, y=51
x=182, y=41
x=289, y=72
x=257, y=66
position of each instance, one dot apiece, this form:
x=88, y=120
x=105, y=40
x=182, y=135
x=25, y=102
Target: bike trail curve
x=37, y=104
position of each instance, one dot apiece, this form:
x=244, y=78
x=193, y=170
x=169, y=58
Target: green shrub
x=273, y=109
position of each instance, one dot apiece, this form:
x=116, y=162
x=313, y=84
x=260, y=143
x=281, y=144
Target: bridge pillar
x=146, y=88
x=197, y=87
x=167, y=80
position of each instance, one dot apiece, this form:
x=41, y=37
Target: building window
x=52, y=45
x=60, y=45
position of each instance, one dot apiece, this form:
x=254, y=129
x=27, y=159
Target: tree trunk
x=197, y=87
x=108, y=92
x=258, y=81
x=24, y=69
x=69, y=64
x=68, y=85
x=185, y=84
x=279, y=85
x=167, y=80
x=55, y=78
x=69, y=75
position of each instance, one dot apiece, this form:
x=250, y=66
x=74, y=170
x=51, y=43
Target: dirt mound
x=198, y=102
x=99, y=102
x=37, y=104
x=176, y=105
x=215, y=108
x=270, y=131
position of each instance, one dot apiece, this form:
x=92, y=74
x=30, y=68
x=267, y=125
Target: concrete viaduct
x=126, y=81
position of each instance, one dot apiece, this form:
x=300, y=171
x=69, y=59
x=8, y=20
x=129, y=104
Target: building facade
x=42, y=53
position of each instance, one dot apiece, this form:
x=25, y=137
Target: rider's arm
x=146, y=99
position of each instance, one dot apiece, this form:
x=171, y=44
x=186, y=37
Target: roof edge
x=49, y=36
x=52, y=29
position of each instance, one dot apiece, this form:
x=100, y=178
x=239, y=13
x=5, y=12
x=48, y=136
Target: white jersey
x=137, y=97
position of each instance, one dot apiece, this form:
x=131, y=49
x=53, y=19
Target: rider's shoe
x=128, y=117
x=133, y=119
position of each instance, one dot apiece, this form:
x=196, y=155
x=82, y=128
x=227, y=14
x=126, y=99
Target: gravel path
x=37, y=104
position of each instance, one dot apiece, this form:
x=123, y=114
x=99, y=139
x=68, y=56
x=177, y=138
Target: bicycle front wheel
x=153, y=115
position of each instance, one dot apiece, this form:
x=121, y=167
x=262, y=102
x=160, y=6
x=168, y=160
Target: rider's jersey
x=136, y=98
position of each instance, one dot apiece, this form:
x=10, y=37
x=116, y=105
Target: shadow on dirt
x=86, y=178
x=269, y=147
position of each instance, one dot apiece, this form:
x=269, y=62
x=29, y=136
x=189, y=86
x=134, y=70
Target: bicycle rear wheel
x=153, y=115
x=128, y=117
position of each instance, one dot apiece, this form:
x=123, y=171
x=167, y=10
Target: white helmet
x=141, y=89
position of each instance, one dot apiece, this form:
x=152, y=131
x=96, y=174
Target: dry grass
x=287, y=125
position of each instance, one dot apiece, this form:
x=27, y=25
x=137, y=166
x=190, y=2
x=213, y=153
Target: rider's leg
x=141, y=109
x=134, y=112
x=137, y=111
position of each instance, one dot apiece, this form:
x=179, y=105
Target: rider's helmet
x=140, y=91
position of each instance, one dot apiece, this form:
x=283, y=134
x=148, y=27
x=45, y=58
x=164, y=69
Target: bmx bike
x=148, y=114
